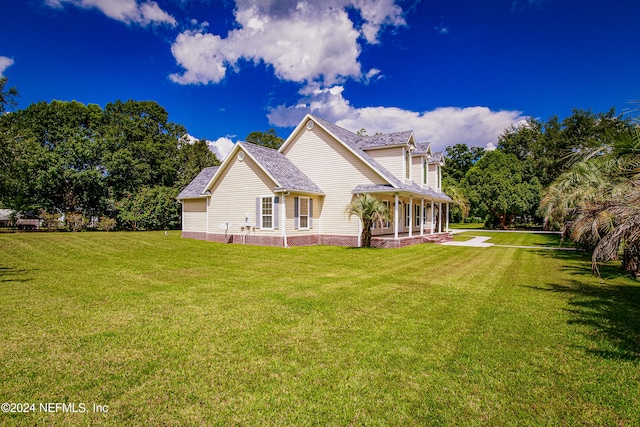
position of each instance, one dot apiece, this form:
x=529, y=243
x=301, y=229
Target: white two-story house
x=297, y=195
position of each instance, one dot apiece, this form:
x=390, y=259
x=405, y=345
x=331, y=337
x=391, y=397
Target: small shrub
x=106, y=223
x=75, y=221
x=50, y=221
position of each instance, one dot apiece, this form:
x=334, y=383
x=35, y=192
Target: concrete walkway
x=476, y=242
x=480, y=242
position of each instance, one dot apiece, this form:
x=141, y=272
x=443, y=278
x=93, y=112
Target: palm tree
x=597, y=202
x=370, y=210
x=460, y=199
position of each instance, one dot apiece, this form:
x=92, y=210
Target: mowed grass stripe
x=174, y=331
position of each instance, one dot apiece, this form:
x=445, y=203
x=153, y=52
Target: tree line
x=580, y=175
x=120, y=166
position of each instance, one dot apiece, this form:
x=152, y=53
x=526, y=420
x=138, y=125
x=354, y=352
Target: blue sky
x=451, y=71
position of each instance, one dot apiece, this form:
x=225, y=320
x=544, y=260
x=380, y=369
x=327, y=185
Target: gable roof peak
x=284, y=173
x=365, y=142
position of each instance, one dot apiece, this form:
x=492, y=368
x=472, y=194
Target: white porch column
x=422, y=217
x=283, y=220
x=432, y=217
x=447, y=220
x=440, y=217
x=395, y=219
x=360, y=227
x=410, y=216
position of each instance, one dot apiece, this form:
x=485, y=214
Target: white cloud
x=302, y=41
x=372, y=75
x=128, y=11
x=474, y=126
x=376, y=14
x=5, y=63
x=490, y=146
x=441, y=29
x=221, y=147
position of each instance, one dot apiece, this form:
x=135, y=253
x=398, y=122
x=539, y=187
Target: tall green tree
x=8, y=135
x=8, y=96
x=141, y=146
x=66, y=157
x=369, y=210
x=193, y=157
x=498, y=185
x=56, y=158
x=460, y=158
x=149, y=209
x=546, y=148
x=269, y=139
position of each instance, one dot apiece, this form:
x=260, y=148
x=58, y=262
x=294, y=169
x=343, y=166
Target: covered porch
x=416, y=215
x=403, y=239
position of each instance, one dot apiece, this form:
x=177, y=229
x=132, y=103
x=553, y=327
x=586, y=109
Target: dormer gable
x=430, y=165
x=435, y=164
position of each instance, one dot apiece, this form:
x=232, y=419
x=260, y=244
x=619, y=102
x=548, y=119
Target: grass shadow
x=609, y=308
x=8, y=275
x=610, y=313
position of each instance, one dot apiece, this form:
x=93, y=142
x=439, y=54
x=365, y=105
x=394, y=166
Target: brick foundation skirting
x=316, y=239
x=336, y=240
x=309, y=240
x=194, y=235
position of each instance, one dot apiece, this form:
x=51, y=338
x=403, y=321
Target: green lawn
x=171, y=331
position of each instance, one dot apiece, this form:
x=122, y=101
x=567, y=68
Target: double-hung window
x=304, y=213
x=267, y=212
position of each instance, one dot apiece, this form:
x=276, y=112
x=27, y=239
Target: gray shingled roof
x=197, y=187
x=437, y=157
x=284, y=172
x=289, y=177
x=355, y=142
x=421, y=148
x=383, y=140
x=413, y=188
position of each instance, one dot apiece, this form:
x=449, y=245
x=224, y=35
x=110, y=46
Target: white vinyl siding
x=434, y=176
x=417, y=173
x=390, y=158
x=194, y=215
x=234, y=196
x=336, y=171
